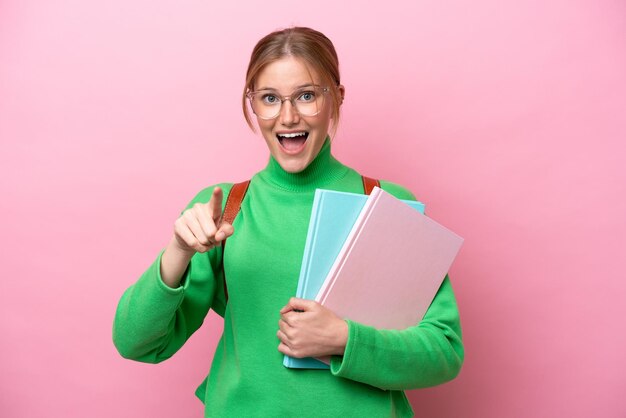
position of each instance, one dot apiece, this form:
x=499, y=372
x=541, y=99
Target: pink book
x=391, y=265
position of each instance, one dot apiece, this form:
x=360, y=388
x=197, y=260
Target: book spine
x=311, y=234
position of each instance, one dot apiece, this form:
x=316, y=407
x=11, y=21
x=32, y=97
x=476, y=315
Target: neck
x=323, y=170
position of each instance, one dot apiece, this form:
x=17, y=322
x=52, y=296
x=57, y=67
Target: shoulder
x=396, y=190
x=204, y=195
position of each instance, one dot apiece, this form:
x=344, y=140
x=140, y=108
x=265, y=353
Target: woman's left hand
x=307, y=329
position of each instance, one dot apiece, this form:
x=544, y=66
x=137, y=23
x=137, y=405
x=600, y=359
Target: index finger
x=286, y=309
x=215, y=204
x=298, y=305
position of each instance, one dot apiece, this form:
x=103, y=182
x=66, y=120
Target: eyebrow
x=297, y=88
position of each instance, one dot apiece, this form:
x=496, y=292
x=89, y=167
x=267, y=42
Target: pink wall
x=507, y=120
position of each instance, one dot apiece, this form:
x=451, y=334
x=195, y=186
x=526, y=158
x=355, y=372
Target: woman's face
x=294, y=140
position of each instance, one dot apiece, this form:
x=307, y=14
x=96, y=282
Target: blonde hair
x=309, y=45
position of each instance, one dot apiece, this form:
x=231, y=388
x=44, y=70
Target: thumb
x=225, y=230
x=215, y=204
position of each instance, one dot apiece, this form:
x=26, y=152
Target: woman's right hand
x=199, y=229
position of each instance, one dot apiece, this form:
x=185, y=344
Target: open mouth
x=292, y=141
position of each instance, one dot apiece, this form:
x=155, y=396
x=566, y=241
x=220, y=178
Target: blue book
x=332, y=217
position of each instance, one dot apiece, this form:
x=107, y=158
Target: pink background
x=508, y=120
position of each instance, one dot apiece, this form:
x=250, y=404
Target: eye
x=306, y=96
x=269, y=99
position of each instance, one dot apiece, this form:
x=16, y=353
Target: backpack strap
x=233, y=204
x=231, y=209
x=233, y=201
x=368, y=184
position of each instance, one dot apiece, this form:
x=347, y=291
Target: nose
x=289, y=114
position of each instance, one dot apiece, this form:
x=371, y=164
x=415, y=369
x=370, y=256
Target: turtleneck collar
x=323, y=170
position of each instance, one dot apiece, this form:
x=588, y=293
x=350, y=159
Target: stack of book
x=373, y=259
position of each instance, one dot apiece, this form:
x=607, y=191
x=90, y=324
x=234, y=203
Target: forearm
x=153, y=320
x=145, y=319
x=424, y=355
x=174, y=262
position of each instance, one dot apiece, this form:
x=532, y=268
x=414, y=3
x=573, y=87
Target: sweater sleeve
x=153, y=321
x=426, y=354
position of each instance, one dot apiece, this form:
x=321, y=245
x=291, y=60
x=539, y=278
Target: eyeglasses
x=308, y=101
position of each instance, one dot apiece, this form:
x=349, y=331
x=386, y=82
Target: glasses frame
x=283, y=99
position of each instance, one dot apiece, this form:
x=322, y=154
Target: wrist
x=174, y=248
x=174, y=262
x=342, y=337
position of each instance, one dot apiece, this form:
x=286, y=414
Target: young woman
x=293, y=88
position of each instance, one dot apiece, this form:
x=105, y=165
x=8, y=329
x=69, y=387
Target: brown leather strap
x=231, y=209
x=233, y=201
x=368, y=184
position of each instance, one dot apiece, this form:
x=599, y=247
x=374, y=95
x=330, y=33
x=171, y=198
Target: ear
x=342, y=92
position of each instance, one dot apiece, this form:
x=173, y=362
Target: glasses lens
x=308, y=101
x=265, y=104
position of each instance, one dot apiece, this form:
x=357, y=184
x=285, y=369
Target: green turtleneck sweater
x=262, y=264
